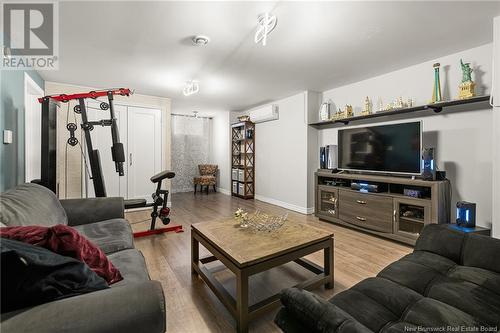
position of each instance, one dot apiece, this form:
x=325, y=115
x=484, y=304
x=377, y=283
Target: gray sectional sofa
x=450, y=283
x=135, y=304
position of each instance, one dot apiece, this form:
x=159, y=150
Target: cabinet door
x=327, y=201
x=144, y=154
x=116, y=186
x=410, y=216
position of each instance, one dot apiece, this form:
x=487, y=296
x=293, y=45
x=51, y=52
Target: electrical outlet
x=7, y=136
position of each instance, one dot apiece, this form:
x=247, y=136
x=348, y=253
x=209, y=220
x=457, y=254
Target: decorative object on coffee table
x=436, y=92
x=258, y=221
x=241, y=217
x=246, y=254
x=467, y=86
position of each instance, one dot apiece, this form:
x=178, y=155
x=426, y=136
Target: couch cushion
x=428, y=314
x=31, y=204
x=439, y=239
x=110, y=236
x=474, y=251
x=481, y=277
x=414, y=275
x=131, y=265
x=470, y=296
x=33, y=275
x=66, y=241
x=317, y=314
x=375, y=301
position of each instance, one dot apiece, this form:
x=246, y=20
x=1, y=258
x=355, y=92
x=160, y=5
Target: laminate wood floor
x=191, y=305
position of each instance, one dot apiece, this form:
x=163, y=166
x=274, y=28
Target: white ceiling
x=316, y=45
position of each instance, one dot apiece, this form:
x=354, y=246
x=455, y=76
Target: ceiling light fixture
x=265, y=24
x=192, y=87
x=200, y=40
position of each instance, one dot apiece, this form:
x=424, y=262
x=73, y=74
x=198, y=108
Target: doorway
x=140, y=133
x=32, y=129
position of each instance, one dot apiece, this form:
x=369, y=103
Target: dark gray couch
x=135, y=304
x=450, y=281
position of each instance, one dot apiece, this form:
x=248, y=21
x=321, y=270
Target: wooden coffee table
x=246, y=253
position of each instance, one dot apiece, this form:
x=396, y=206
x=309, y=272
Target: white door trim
x=30, y=88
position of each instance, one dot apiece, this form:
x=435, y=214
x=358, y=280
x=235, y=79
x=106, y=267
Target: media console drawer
x=366, y=210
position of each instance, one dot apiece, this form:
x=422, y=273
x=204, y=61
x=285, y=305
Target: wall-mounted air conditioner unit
x=265, y=113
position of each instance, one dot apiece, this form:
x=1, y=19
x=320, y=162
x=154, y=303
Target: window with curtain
x=190, y=147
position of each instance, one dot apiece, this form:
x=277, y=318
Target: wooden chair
x=208, y=177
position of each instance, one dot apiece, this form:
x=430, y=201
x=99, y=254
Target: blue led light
x=363, y=184
x=467, y=215
x=432, y=164
x=458, y=213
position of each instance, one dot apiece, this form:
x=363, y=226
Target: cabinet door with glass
x=410, y=216
x=327, y=201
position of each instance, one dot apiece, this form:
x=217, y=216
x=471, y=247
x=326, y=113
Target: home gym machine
x=48, y=167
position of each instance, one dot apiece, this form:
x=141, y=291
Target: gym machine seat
x=162, y=175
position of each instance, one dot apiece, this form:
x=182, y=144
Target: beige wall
x=69, y=160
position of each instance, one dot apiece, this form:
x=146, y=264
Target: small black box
x=466, y=214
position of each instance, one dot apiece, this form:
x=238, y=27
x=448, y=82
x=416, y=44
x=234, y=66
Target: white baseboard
x=223, y=191
x=295, y=208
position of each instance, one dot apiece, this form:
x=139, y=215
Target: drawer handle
x=361, y=218
x=361, y=202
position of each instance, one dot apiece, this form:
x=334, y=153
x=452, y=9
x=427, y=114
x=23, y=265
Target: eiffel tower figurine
x=436, y=93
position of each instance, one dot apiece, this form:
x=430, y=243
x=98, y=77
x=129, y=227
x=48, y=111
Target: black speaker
x=428, y=164
x=322, y=158
x=466, y=214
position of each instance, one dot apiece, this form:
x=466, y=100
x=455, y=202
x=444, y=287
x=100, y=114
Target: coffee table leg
x=242, y=302
x=328, y=264
x=195, y=254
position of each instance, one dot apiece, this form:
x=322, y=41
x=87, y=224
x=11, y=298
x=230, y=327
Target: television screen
x=394, y=148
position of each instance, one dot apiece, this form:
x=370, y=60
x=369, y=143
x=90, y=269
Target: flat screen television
x=394, y=148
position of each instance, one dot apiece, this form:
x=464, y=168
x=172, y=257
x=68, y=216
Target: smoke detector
x=200, y=40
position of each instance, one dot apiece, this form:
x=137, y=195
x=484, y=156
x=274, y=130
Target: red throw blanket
x=66, y=241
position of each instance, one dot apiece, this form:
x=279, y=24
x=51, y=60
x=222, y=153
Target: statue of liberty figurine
x=466, y=72
x=466, y=87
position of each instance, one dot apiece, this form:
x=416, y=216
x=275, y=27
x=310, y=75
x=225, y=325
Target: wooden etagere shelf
x=243, y=160
x=435, y=108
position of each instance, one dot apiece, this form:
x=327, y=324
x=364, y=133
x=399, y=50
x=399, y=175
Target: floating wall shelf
x=436, y=107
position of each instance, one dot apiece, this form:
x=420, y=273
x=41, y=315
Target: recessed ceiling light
x=200, y=40
x=265, y=24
